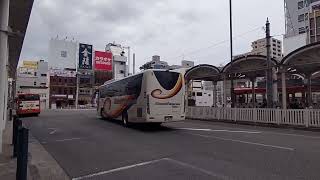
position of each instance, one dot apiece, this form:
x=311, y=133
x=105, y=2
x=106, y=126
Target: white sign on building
x=62, y=54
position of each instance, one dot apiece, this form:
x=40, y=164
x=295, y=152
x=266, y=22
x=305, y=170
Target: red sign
x=103, y=61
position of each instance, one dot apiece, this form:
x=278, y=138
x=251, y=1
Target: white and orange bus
x=28, y=104
x=152, y=96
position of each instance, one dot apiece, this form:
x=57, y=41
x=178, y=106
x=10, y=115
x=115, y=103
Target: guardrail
x=303, y=117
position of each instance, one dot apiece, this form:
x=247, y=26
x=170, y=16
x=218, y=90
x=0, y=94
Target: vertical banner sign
x=103, y=61
x=85, y=56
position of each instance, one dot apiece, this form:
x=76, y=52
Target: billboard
x=103, y=61
x=62, y=54
x=85, y=57
x=30, y=64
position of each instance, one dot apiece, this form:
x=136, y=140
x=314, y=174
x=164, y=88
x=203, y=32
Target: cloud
x=170, y=28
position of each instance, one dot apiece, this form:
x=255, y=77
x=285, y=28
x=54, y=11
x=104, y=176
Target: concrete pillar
x=284, y=90
x=253, y=80
x=309, y=90
x=225, y=91
x=4, y=19
x=275, y=86
x=214, y=93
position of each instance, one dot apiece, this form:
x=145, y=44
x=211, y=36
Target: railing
x=304, y=117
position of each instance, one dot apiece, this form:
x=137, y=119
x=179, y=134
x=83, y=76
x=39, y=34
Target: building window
x=199, y=93
x=122, y=63
x=65, y=91
x=35, y=73
x=279, y=55
x=300, y=5
x=121, y=72
x=34, y=83
x=64, y=54
x=43, y=75
x=59, y=80
x=301, y=18
x=70, y=91
x=302, y=30
x=43, y=84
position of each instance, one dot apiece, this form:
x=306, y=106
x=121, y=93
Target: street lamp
x=231, y=53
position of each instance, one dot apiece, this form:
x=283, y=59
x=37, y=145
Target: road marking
x=197, y=168
x=245, y=142
x=53, y=131
x=219, y=130
x=266, y=131
x=289, y=134
x=70, y=139
x=118, y=169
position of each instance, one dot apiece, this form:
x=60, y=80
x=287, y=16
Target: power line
x=217, y=44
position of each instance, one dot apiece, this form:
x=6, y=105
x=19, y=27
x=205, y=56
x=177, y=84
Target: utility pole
x=129, y=54
x=231, y=54
x=77, y=90
x=269, y=68
x=134, y=64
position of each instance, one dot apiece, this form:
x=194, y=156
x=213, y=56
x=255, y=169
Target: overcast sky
x=173, y=29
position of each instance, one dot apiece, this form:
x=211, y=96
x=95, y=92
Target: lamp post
x=231, y=53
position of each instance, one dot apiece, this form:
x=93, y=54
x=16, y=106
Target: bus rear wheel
x=125, y=121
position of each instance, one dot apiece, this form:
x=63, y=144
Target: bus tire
x=125, y=121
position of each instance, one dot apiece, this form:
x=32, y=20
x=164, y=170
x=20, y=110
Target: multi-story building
x=63, y=85
x=156, y=63
x=259, y=48
x=32, y=77
x=119, y=67
x=314, y=23
x=298, y=26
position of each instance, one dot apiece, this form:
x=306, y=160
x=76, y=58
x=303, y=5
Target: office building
x=119, y=67
x=32, y=77
x=259, y=48
x=299, y=24
x=157, y=63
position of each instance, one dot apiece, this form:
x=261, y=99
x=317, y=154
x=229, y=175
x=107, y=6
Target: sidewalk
x=41, y=164
x=7, y=163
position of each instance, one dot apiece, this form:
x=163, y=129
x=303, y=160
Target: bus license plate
x=167, y=118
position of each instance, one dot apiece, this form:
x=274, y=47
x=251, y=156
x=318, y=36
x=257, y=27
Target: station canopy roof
x=248, y=66
x=19, y=14
x=305, y=60
x=204, y=72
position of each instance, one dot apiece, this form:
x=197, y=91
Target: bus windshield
x=29, y=97
x=167, y=79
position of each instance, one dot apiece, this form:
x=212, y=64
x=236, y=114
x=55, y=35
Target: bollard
x=15, y=136
x=10, y=114
x=22, y=160
x=14, y=123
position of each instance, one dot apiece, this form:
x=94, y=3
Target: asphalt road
x=90, y=148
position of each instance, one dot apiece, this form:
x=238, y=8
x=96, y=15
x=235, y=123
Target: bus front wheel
x=125, y=121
